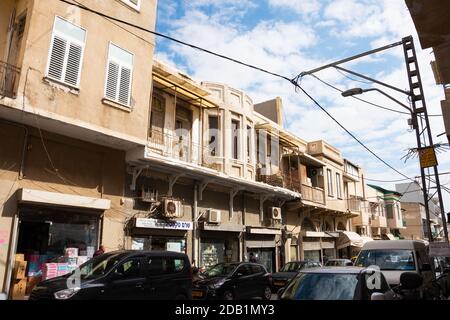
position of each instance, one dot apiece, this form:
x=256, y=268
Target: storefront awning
x=30, y=196
x=349, y=239
x=389, y=236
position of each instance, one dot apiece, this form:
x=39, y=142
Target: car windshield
x=322, y=286
x=99, y=266
x=221, y=269
x=387, y=259
x=291, y=267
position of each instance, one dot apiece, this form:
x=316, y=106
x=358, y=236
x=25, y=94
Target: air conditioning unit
x=276, y=213
x=317, y=172
x=172, y=208
x=214, y=216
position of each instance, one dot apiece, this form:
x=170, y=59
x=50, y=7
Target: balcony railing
x=8, y=80
x=180, y=148
x=354, y=205
x=313, y=194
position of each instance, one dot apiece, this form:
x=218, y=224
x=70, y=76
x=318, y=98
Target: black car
x=229, y=281
x=338, y=283
x=290, y=270
x=123, y=275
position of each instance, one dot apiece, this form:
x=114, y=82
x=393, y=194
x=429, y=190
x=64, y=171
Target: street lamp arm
x=390, y=97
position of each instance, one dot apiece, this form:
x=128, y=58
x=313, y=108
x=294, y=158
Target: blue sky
x=291, y=36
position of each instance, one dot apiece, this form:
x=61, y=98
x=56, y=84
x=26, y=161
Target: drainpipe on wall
x=194, y=228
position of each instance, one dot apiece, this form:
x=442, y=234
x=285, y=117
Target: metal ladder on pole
x=421, y=124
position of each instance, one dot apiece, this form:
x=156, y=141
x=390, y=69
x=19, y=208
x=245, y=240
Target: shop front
x=219, y=243
x=261, y=244
x=53, y=233
x=350, y=243
x=318, y=246
x=160, y=235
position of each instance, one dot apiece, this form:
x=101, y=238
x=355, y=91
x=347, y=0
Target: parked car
x=336, y=283
x=397, y=257
x=339, y=263
x=123, y=274
x=290, y=270
x=229, y=281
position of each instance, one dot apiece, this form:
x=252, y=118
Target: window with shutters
x=119, y=72
x=66, y=52
x=135, y=4
x=157, y=120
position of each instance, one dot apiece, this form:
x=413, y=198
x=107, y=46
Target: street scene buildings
x=102, y=144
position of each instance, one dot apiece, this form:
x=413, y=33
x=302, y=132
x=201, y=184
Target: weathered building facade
x=74, y=98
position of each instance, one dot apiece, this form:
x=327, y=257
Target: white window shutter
x=124, y=86
x=112, y=80
x=57, y=57
x=73, y=64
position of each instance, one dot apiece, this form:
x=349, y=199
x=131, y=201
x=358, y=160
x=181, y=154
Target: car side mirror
x=425, y=267
x=377, y=296
x=410, y=280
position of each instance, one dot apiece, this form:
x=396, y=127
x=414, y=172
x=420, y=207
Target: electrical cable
x=178, y=41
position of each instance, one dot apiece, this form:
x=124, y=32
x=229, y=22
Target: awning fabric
x=349, y=238
x=389, y=236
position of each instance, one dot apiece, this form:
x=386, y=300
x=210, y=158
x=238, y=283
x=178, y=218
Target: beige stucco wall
x=86, y=105
x=413, y=217
x=82, y=169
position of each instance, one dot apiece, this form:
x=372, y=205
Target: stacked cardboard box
x=20, y=279
x=49, y=270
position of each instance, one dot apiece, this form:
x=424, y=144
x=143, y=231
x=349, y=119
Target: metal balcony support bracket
x=201, y=187
x=172, y=180
x=262, y=199
x=136, y=173
x=233, y=193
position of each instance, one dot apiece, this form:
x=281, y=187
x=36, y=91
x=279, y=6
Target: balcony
x=9, y=76
x=379, y=221
x=182, y=148
x=354, y=205
x=313, y=194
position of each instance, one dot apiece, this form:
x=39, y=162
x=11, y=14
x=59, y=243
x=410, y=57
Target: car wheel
x=267, y=295
x=228, y=295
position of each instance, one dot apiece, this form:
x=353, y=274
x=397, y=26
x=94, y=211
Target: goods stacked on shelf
x=20, y=279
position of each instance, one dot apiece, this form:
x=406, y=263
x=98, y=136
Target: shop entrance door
x=265, y=256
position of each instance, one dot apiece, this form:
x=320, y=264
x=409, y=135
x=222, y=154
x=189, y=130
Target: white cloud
x=289, y=46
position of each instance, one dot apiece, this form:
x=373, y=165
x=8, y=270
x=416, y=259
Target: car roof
x=393, y=244
x=341, y=270
x=131, y=253
x=339, y=260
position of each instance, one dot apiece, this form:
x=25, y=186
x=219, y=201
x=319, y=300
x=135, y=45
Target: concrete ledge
x=60, y=199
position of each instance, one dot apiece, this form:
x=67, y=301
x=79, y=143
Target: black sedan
x=229, y=281
x=290, y=270
x=338, y=283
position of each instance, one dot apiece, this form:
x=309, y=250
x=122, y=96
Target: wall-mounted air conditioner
x=172, y=208
x=317, y=172
x=276, y=213
x=214, y=216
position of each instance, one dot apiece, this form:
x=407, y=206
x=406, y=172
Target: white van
x=394, y=257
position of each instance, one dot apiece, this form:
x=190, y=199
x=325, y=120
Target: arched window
x=308, y=225
x=327, y=226
x=341, y=227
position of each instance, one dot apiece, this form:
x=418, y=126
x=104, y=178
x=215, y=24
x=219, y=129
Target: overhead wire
x=294, y=81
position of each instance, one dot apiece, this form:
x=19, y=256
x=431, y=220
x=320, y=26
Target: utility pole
x=419, y=115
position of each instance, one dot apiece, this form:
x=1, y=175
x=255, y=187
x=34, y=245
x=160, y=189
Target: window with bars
x=119, y=75
x=66, y=53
